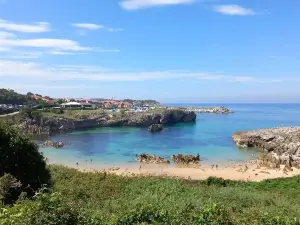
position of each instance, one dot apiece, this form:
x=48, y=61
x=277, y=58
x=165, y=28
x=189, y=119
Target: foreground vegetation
x=99, y=198
x=71, y=197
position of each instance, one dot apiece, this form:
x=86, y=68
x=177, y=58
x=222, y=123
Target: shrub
x=46, y=209
x=9, y=188
x=20, y=157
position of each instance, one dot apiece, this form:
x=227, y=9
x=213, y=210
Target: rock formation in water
x=57, y=144
x=146, y=158
x=186, y=159
x=281, y=145
x=155, y=128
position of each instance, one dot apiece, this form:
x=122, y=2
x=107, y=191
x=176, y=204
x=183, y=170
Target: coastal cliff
x=281, y=145
x=48, y=125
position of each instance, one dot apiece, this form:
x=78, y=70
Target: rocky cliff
x=281, y=145
x=143, y=119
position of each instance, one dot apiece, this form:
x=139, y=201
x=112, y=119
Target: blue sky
x=169, y=50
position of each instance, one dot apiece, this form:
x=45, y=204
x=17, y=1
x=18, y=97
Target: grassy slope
x=111, y=196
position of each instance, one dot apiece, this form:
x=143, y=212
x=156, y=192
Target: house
x=124, y=105
x=110, y=104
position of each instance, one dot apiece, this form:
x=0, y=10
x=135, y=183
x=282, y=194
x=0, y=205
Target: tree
x=9, y=189
x=60, y=101
x=20, y=157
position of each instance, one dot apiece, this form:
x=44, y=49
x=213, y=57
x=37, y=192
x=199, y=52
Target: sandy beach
x=245, y=171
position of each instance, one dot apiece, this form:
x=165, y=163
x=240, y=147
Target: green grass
x=74, y=114
x=100, y=198
x=104, y=194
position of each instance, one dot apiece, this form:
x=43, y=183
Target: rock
x=186, y=159
x=173, y=116
x=155, y=128
x=146, y=158
x=142, y=119
x=215, y=110
x=48, y=125
x=280, y=145
x=57, y=144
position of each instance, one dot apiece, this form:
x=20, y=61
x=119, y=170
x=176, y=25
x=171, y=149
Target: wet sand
x=246, y=171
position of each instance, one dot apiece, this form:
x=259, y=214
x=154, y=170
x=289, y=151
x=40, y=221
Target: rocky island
x=281, y=145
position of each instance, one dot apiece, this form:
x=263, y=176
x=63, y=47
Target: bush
x=20, y=157
x=46, y=209
x=9, y=189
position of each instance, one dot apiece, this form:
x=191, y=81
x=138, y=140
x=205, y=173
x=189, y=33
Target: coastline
x=243, y=171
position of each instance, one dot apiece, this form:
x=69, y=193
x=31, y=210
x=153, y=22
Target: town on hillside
x=11, y=101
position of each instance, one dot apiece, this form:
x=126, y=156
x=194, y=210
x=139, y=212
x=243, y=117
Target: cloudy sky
x=169, y=50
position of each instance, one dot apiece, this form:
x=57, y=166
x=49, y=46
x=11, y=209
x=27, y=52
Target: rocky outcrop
x=186, y=159
x=155, y=128
x=281, y=145
x=146, y=158
x=215, y=110
x=30, y=126
x=57, y=144
x=141, y=119
x=173, y=116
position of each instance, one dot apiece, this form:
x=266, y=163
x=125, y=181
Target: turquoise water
x=210, y=136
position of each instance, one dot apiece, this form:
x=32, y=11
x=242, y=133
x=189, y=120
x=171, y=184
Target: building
x=77, y=105
x=110, y=104
x=124, y=105
x=73, y=105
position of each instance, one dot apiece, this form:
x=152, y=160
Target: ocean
x=210, y=136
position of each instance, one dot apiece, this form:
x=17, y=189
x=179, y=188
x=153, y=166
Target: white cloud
x=115, y=29
x=26, y=28
x=233, y=10
x=63, y=44
x=8, y=40
x=4, y=49
x=57, y=52
x=139, y=4
x=89, y=26
x=4, y=34
x=91, y=73
x=25, y=55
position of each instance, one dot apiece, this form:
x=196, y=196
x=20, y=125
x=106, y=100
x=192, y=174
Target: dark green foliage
x=19, y=157
x=12, y=97
x=9, y=189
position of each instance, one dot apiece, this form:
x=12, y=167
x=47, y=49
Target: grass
x=107, y=199
x=74, y=114
x=103, y=194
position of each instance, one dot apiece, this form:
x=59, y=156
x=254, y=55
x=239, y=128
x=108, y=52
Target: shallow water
x=210, y=136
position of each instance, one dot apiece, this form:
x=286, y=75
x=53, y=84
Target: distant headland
x=37, y=114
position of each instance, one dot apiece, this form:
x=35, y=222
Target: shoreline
x=243, y=171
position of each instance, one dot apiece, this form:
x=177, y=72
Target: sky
x=174, y=51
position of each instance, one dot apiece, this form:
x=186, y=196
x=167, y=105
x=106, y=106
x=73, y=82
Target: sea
x=210, y=136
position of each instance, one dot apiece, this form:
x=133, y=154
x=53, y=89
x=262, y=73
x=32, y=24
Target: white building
x=71, y=105
x=76, y=105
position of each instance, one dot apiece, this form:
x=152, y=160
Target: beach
x=243, y=171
